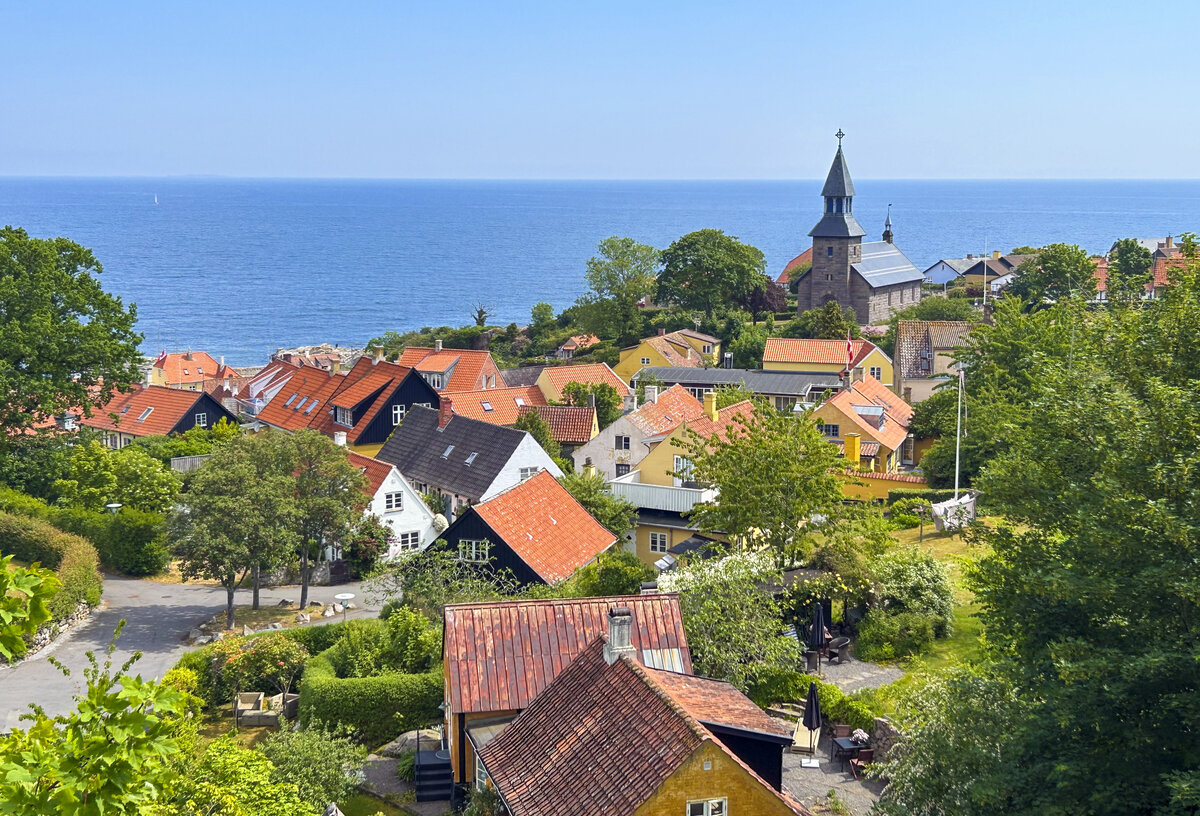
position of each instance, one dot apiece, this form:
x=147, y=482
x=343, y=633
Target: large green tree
x=931, y=308
x=609, y=404
x=707, y=268
x=621, y=274
x=1057, y=272
x=617, y=514
x=324, y=766
x=96, y=476
x=828, y=322
x=1129, y=270
x=65, y=343
x=227, y=778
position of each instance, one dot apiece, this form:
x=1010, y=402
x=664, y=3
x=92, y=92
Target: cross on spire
x=840, y=136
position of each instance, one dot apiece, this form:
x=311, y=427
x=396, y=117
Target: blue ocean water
x=241, y=267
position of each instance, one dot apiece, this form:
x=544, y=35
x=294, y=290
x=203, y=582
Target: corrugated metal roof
x=770, y=383
x=883, y=264
x=500, y=655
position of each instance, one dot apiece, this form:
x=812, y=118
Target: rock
x=351, y=605
x=301, y=617
x=314, y=603
x=284, y=602
x=200, y=641
x=276, y=625
x=246, y=630
x=195, y=634
x=408, y=742
x=328, y=613
x=219, y=636
x=337, y=608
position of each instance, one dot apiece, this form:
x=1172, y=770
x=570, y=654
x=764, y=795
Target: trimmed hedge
x=929, y=494
x=71, y=556
x=836, y=707
x=375, y=708
x=130, y=541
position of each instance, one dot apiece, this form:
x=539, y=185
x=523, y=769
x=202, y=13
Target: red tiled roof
x=179, y=369
x=579, y=341
x=716, y=702
x=676, y=351
x=867, y=449
x=889, y=477
x=496, y=405
x=351, y=392
x=870, y=392
x=785, y=350
x=499, y=655
x=375, y=471
x=674, y=405
x=601, y=739
x=569, y=424
x=803, y=258
x=169, y=406
x=468, y=365
x=559, y=376
x=546, y=527
x=726, y=420
x=292, y=408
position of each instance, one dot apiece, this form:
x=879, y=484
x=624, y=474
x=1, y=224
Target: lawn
x=259, y=618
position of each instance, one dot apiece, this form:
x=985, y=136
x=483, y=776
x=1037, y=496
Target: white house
x=397, y=505
x=618, y=448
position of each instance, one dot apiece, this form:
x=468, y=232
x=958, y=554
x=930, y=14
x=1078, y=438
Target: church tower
x=837, y=237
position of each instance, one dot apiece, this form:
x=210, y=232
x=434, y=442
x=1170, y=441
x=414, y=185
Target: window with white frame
x=645, y=361
x=408, y=541
x=699, y=393
x=620, y=443
x=658, y=542
x=473, y=550
x=202, y=420
x=343, y=416
x=877, y=372
x=481, y=775
x=832, y=431
x=434, y=378
x=706, y=348
x=622, y=469
x=784, y=403
x=529, y=472
x=397, y=414
x=708, y=807
x=393, y=501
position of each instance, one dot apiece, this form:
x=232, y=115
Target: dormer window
x=343, y=416
x=434, y=378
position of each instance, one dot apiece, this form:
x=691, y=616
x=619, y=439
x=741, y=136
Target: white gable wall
x=528, y=454
x=415, y=515
x=605, y=457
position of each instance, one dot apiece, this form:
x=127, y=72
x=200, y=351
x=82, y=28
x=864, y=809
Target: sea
x=241, y=267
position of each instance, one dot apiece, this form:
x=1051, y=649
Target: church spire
x=838, y=192
x=887, y=226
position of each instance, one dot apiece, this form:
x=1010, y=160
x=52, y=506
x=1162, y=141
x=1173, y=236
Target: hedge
x=130, y=541
x=836, y=706
x=71, y=556
x=929, y=494
x=375, y=708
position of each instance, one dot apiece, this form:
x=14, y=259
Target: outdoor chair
x=860, y=762
x=840, y=730
x=839, y=647
x=842, y=754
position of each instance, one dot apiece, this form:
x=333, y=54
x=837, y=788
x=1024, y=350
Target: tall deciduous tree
x=65, y=343
x=829, y=321
x=707, y=268
x=1057, y=272
x=229, y=779
x=620, y=275
x=608, y=401
x=96, y=476
x=614, y=512
x=1129, y=270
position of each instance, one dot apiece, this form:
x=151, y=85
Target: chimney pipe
x=445, y=412
x=339, y=438
x=222, y=361
x=649, y=588
x=437, y=345
x=995, y=254
x=651, y=393
x=189, y=355
x=378, y=355
x=620, y=634
x=710, y=405
x=1170, y=242
x=662, y=332
x=856, y=374
x=728, y=358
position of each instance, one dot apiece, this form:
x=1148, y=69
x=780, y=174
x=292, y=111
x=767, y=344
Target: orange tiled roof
x=546, y=527
x=179, y=369
x=716, y=702
x=804, y=257
x=674, y=405
x=498, y=406
x=559, y=376
x=375, y=471
x=303, y=400
x=579, y=341
x=675, y=350
x=726, y=420
x=870, y=392
x=468, y=365
x=785, y=350
x=889, y=477
x=169, y=406
x=569, y=424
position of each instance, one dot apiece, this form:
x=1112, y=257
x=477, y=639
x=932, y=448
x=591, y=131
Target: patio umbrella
x=812, y=716
x=816, y=634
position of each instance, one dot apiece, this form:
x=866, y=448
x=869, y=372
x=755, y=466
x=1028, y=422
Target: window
x=529, y=472
x=832, y=431
x=310, y=407
x=658, y=542
x=829, y=205
x=145, y=414
x=397, y=414
x=300, y=404
x=709, y=807
x=393, y=501
x=706, y=348
x=784, y=403
x=434, y=378
x=487, y=406
x=877, y=372
x=423, y=404
x=620, y=443
x=520, y=401
x=699, y=393
x=447, y=451
x=837, y=206
x=682, y=472
x=408, y=541
x=829, y=251
x=343, y=416
x=849, y=205
x=481, y=775
x=645, y=361
x=622, y=470
x=473, y=550
x=471, y=456
x=202, y=420
x=290, y=399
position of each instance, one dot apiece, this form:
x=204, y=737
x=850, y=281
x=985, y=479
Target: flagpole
x=958, y=429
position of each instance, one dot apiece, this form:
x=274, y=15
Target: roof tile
x=569, y=424
x=559, y=376
x=499, y=406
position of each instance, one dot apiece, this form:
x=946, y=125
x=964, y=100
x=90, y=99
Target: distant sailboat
x=156, y=199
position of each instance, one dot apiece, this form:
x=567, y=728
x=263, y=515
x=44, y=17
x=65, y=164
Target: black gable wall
x=206, y=404
x=412, y=390
x=470, y=526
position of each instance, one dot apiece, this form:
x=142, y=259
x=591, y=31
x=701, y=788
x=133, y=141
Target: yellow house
x=869, y=422
x=827, y=356
x=685, y=348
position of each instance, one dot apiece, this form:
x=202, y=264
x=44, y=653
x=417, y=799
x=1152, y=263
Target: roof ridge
x=698, y=728
x=617, y=599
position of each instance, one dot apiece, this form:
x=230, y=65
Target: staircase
x=435, y=778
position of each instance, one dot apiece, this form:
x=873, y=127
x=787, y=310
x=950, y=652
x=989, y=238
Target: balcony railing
x=659, y=497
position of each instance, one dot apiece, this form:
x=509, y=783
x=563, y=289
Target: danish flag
x=849, y=350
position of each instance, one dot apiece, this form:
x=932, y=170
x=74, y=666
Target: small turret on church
x=887, y=226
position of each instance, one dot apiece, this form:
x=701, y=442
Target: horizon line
x=544, y=179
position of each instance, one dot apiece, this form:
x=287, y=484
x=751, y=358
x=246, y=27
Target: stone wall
x=883, y=736
x=47, y=633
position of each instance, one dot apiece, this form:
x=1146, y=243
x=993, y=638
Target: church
x=875, y=278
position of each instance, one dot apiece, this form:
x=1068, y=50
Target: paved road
x=157, y=617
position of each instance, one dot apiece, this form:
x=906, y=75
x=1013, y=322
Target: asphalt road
x=157, y=618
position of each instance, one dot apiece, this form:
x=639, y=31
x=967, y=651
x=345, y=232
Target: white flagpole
x=958, y=429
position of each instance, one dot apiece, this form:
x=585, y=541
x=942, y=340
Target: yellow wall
x=876, y=358
x=725, y=779
x=366, y=450
x=642, y=540
x=657, y=465
x=698, y=346
x=831, y=414
x=872, y=487
x=631, y=360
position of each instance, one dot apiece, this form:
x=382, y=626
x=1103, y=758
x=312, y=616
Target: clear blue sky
x=508, y=89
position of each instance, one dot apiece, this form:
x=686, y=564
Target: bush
x=323, y=765
x=882, y=636
x=792, y=686
x=913, y=581
x=929, y=494
x=907, y=513
x=406, y=767
x=248, y=664
x=72, y=557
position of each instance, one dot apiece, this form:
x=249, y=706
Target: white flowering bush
x=913, y=581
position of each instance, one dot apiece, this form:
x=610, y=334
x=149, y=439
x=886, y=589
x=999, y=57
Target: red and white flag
x=161, y=358
x=849, y=349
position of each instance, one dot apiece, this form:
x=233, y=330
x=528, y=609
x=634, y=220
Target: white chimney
x=437, y=345
x=651, y=393
x=620, y=634
x=339, y=438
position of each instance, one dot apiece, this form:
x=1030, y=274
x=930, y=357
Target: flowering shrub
x=247, y=663
x=882, y=636
x=913, y=581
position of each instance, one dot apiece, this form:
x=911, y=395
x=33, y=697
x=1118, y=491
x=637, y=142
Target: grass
x=364, y=804
x=220, y=724
x=259, y=618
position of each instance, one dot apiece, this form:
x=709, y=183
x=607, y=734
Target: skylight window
x=471, y=458
x=289, y=399
x=310, y=407
x=520, y=401
x=446, y=455
x=125, y=410
x=145, y=414
x=487, y=406
x=300, y=404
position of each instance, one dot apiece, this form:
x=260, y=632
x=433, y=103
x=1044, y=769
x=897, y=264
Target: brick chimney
x=378, y=355
x=620, y=634
x=1170, y=243
x=445, y=411
x=710, y=405
x=662, y=332
x=995, y=254
x=651, y=393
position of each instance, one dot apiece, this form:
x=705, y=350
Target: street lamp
x=113, y=507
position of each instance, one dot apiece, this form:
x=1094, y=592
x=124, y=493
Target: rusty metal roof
x=500, y=655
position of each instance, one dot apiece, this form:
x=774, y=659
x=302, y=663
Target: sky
x=615, y=90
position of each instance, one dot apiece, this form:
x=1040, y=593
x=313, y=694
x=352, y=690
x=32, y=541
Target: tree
x=65, y=343
x=826, y=322
x=329, y=498
x=480, y=313
x=323, y=765
x=109, y=755
x=706, y=268
x=774, y=474
x=24, y=592
x=542, y=322
x=931, y=308
x=621, y=276
x=272, y=656
x=32, y=463
x=429, y=579
x=368, y=542
x=734, y=627
x=1025, y=250
x=609, y=404
x=770, y=298
x=733, y=394
x=1057, y=272
x=747, y=348
x=536, y=426
x=1129, y=271
x=617, y=514
x=96, y=476
x=229, y=779
x=616, y=572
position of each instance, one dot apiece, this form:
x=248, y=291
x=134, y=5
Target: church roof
x=838, y=183
x=883, y=264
